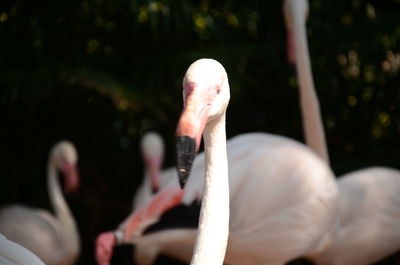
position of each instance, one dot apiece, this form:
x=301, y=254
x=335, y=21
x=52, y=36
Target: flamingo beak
x=189, y=131
x=153, y=171
x=71, y=177
x=185, y=154
x=105, y=243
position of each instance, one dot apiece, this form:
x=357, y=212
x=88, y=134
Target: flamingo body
x=369, y=209
x=295, y=215
x=40, y=227
x=296, y=211
x=12, y=253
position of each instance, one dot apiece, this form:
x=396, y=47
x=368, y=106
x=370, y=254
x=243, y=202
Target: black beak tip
x=154, y=190
x=185, y=153
x=183, y=177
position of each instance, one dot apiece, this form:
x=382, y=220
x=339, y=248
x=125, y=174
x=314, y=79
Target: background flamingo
x=152, y=149
x=12, y=253
x=298, y=198
x=53, y=238
x=369, y=205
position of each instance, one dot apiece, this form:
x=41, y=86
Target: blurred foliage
x=102, y=72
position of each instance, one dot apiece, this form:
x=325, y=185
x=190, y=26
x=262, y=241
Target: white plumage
x=12, y=253
x=369, y=208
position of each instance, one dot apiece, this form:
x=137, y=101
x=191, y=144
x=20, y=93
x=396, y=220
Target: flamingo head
x=152, y=148
x=65, y=157
x=294, y=11
x=205, y=99
x=105, y=243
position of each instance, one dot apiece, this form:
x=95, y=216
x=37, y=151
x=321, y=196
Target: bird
x=206, y=96
x=12, y=253
x=152, y=150
x=280, y=208
x=145, y=254
x=53, y=238
x=368, y=203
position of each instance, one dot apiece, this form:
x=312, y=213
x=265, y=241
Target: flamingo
x=152, y=146
x=152, y=149
x=53, y=238
x=12, y=253
x=369, y=205
x=283, y=197
x=206, y=97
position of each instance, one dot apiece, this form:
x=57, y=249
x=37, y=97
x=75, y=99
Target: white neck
x=313, y=127
x=68, y=231
x=213, y=228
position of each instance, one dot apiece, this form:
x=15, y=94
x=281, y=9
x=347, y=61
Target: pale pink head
x=205, y=98
x=64, y=156
x=295, y=13
x=152, y=147
x=104, y=247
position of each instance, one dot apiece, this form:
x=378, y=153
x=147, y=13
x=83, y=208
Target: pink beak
x=291, y=52
x=71, y=177
x=105, y=243
x=190, y=129
x=153, y=170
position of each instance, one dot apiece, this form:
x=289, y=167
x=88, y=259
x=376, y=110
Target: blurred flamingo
x=53, y=238
x=152, y=149
x=12, y=253
x=369, y=205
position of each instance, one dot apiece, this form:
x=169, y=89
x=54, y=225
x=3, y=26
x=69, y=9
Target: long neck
x=68, y=232
x=313, y=127
x=143, y=193
x=213, y=233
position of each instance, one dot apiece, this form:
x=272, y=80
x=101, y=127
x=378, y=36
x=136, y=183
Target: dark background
x=103, y=72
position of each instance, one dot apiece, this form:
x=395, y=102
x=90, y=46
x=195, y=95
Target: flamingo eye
x=218, y=89
x=189, y=88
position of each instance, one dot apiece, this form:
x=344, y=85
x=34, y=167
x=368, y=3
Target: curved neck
x=213, y=228
x=143, y=193
x=312, y=122
x=67, y=228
